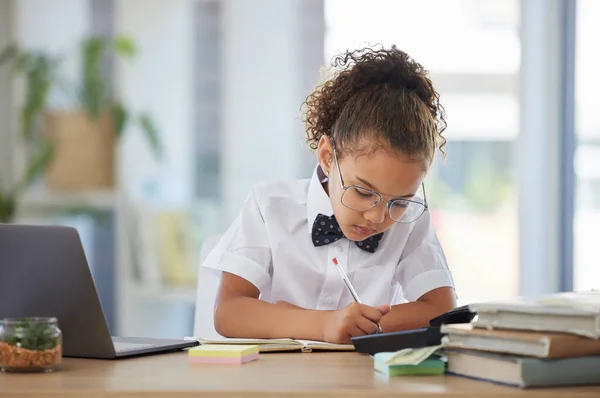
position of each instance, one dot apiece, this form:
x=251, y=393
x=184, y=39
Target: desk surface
x=293, y=374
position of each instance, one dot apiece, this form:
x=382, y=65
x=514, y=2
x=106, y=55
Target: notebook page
x=227, y=340
x=325, y=346
x=276, y=345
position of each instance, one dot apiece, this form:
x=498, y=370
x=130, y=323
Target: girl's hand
x=354, y=320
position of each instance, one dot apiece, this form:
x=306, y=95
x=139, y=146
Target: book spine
x=560, y=372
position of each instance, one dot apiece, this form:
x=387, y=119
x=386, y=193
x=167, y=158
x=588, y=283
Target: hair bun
x=391, y=67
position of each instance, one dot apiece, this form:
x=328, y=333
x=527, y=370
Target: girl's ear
x=325, y=154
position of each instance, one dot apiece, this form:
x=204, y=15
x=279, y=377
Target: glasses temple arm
x=337, y=165
x=424, y=196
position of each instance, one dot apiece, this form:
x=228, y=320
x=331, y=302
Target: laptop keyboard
x=121, y=347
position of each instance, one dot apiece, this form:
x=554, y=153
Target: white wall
x=158, y=81
x=58, y=27
x=263, y=83
x=263, y=86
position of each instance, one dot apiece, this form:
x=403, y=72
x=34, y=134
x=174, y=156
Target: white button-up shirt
x=270, y=245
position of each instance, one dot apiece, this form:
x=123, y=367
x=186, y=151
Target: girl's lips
x=366, y=232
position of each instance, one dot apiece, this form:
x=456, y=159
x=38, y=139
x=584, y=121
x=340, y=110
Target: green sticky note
x=434, y=365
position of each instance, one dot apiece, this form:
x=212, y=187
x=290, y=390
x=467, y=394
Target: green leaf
x=124, y=46
x=152, y=135
x=23, y=63
x=32, y=335
x=7, y=207
x=120, y=117
x=8, y=53
x=39, y=71
x=94, y=93
x=37, y=165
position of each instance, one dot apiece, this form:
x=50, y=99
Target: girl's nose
x=377, y=214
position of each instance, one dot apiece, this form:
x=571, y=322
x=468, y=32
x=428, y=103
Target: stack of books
x=552, y=340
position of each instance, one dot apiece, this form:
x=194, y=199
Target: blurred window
x=587, y=156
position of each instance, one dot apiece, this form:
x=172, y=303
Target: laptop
x=44, y=273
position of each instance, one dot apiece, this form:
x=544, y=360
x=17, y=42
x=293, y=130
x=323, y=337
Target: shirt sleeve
x=422, y=266
x=244, y=249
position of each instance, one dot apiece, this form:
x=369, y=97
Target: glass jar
x=30, y=344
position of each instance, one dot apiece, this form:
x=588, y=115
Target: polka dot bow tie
x=326, y=230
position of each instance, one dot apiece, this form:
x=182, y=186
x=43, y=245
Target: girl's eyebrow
x=367, y=183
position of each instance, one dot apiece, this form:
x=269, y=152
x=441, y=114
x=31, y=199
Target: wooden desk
x=283, y=375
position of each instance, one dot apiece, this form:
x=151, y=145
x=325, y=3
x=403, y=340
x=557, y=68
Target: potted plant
x=54, y=140
x=84, y=138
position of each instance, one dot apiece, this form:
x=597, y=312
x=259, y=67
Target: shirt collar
x=317, y=200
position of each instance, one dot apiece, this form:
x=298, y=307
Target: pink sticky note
x=223, y=360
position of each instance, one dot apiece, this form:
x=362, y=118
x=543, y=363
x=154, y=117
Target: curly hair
x=382, y=94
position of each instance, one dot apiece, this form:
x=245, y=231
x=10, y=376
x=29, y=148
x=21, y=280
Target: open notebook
x=279, y=345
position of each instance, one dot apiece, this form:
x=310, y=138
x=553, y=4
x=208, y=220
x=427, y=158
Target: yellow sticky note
x=223, y=350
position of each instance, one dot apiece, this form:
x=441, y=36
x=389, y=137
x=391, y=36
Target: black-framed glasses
x=402, y=210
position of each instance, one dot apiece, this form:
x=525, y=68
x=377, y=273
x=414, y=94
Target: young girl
x=375, y=128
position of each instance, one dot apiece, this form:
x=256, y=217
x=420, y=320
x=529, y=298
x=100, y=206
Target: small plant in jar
x=30, y=344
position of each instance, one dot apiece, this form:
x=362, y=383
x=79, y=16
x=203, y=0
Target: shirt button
x=340, y=249
x=328, y=300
